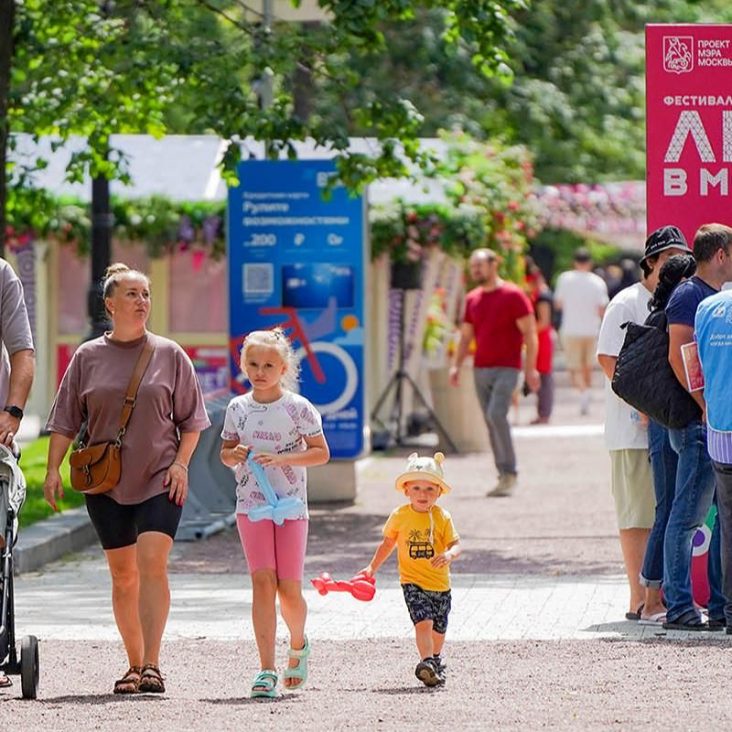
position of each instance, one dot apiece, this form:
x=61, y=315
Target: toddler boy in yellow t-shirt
x=426, y=543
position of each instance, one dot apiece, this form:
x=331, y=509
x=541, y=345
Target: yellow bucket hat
x=425, y=468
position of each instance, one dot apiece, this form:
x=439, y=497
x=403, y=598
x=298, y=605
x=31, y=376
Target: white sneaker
x=585, y=403
x=504, y=487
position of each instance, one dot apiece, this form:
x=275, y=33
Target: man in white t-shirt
x=625, y=428
x=581, y=296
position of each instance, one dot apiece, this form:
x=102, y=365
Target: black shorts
x=428, y=605
x=118, y=525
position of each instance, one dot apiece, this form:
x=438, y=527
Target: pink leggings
x=268, y=546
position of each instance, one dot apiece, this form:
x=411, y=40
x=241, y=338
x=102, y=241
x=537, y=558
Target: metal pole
x=101, y=239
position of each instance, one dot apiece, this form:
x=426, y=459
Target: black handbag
x=644, y=378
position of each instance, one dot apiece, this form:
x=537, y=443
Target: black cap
x=663, y=238
x=582, y=255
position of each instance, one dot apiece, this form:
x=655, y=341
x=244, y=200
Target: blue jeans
x=663, y=466
x=693, y=496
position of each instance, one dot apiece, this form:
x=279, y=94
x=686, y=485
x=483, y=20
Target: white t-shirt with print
x=277, y=427
x=623, y=427
x=581, y=295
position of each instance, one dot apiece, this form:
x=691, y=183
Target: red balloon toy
x=362, y=587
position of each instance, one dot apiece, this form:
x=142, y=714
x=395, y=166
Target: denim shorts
x=428, y=605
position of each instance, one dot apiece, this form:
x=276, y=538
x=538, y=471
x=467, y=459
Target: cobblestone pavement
x=537, y=637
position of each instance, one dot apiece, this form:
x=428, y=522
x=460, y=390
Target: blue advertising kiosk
x=298, y=260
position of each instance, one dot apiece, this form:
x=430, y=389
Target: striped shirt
x=719, y=445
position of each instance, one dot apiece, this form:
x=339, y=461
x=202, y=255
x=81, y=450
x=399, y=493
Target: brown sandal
x=151, y=680
x=130, y=682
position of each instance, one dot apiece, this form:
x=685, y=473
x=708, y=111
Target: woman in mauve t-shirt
x=136, y=520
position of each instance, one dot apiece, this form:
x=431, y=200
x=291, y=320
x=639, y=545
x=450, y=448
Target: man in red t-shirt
x=501, y=319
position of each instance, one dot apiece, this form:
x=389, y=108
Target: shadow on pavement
x=97, y=699
x=342, y=540
x=246, y=701
x=524, y=556
x=656, y=635
x=400, y=690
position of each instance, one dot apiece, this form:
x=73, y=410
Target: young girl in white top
x=283, y=433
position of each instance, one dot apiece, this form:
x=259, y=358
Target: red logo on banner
x=678, y=54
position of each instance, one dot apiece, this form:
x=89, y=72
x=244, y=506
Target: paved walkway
x=537, y=637
x=532, y=569
x=72, y=602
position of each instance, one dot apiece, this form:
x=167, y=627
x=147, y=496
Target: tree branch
x=238, y=24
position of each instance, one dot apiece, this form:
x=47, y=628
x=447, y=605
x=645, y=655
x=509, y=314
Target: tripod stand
x=396, y=382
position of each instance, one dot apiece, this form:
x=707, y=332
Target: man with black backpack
x=694, y=490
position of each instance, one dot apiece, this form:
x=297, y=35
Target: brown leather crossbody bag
x=97, y=468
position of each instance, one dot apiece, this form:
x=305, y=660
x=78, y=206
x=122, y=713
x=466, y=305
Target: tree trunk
x=302, y=81
x=7, y=17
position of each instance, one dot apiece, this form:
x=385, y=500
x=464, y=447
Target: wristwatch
x=16, y=412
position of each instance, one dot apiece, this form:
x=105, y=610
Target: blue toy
x=276, y=509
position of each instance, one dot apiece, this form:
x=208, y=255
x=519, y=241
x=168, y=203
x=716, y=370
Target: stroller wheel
x=29, y=666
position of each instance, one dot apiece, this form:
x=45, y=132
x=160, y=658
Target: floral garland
x=608, y=208
x=493, y=202
x=163, y=225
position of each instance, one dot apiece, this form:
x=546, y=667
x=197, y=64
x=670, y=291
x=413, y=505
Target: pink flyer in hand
x=692, y=367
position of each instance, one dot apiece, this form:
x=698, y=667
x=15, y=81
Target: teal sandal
x=301, y=670
x=265, y=685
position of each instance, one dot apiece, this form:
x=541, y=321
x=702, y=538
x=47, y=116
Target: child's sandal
x=151, y=680
x=300, y=671
x=265, y=684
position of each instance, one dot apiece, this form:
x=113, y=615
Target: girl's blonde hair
x=276, y=339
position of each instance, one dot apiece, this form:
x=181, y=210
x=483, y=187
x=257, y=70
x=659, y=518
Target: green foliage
x=403, y=231
x=81, y=67
x=492, y=204
x=562, y=245
x=579, y=93
x=496, y=181
x=161, y=224
x=33, y=463
x=577, y=98
x=79, y=71
x=158, y=222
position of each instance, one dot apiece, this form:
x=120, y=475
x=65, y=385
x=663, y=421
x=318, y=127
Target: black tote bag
x=644, y=378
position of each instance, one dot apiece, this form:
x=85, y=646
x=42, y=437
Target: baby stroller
x=12, y=495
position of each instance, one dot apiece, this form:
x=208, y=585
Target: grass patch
x=33, y=464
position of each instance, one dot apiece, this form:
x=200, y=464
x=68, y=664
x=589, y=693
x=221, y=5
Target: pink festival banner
x=689, y=125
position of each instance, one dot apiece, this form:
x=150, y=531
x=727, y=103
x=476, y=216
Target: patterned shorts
x=428, y=605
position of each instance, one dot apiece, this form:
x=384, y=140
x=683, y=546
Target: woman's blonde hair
x=116, y=272
x=276, y=339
